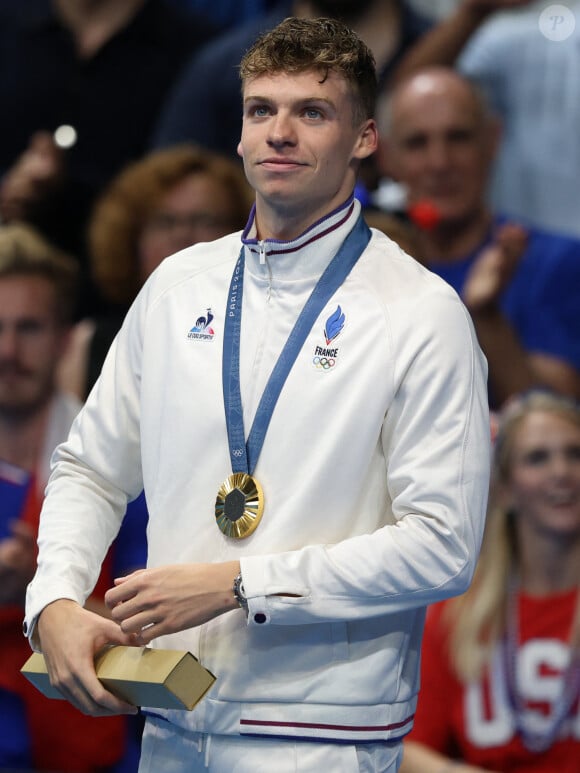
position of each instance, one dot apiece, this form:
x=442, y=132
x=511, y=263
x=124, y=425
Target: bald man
x=438, y=139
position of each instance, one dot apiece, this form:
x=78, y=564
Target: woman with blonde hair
x=166, y=201
x=501, y=664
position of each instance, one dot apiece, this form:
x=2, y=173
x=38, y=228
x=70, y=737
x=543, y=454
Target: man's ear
x=368, y=139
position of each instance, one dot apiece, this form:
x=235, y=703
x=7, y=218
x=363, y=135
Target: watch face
x=240, y=593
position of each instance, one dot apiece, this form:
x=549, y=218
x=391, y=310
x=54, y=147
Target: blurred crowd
x=118, y=147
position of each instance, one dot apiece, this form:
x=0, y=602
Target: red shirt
x=474, y=722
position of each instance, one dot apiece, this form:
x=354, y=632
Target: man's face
x=441, y=146
x=300, y=146
x=31, y=343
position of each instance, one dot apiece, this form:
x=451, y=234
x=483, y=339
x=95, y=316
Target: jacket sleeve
x=436, y=446
x=95, y=473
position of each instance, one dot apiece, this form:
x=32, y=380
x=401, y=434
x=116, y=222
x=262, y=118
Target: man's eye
x=415, y=142
x=313, y=113
x=260, y=111
x=460, y=136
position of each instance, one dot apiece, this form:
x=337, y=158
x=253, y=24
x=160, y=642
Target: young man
x=308, y=416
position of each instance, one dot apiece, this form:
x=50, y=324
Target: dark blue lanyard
x=244, y=456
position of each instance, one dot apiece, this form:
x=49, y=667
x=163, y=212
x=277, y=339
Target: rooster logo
x=202, y=324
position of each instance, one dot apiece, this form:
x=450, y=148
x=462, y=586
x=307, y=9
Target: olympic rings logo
x=325, y=363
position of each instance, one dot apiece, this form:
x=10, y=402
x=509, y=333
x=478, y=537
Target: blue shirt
x=542, y=301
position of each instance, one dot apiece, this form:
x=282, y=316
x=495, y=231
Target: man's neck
x=93, y=23
x=452, y=241
x=22, y=437
x=282, y=223
x=283, y=228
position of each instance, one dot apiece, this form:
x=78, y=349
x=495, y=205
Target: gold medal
x=239, y=505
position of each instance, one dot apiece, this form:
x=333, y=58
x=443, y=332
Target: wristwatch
x=240, y=593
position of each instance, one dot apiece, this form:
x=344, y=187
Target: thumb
x=112, y=634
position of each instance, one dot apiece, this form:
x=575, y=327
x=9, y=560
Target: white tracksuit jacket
x=374, y=468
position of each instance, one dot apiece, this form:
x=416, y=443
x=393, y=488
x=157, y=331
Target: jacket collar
x=304, y=257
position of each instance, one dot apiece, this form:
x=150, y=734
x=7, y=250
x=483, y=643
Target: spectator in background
x=501, y=665
x=520, y=286
x=168, y=200
x=37, y=298
x=528, y=64
x=89, y=76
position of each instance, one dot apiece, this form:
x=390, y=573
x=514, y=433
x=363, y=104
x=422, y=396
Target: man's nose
x=281, y=130
x=438, y=155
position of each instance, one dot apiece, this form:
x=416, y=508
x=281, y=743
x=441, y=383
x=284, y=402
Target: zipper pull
x=262, y=253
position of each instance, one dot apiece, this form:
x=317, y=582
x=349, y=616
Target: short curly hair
x=298, y=45
x=124, y=208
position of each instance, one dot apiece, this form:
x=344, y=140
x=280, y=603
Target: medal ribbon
x=244, y=456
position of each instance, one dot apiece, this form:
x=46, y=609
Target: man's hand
x=17, y=563
x=70, y=637
x=494, y=268
x=153, y=602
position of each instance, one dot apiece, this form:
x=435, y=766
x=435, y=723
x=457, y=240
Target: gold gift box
x=164, y=679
